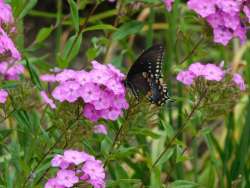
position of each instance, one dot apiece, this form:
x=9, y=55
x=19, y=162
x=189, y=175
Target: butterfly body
x=145, y=78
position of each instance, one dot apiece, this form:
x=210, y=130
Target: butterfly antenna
x=171, y=100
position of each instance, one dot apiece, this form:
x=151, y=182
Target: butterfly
x=145, y=76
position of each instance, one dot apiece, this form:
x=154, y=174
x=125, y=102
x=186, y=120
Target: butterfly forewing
x=149, y=62
x=145, y=74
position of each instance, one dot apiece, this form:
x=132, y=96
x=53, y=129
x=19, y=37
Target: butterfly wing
x=144, y=76
x=159, y=92
x=150, y=62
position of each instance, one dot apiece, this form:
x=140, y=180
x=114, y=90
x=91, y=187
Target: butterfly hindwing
x=159, y=92
x=144, y=77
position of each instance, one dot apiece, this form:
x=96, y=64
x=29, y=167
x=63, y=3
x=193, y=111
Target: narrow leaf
x=74, y=14
x=43, y=34
x=127, y=29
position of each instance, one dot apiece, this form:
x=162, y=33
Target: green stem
x=97, y=17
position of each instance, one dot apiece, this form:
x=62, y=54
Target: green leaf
x=112, y=183
x=27, y=8
x=183, y=184
x=244, y=146
x=4, y=133
x=74, y=14
x=61, y=62
x=208, y=176
x=166, y=156
x=43, y=34
x=10, y=84
x=33, y=75
x=92, y=53
x=70, y=51
x=127, y=29
x=155, y=178
x=144, y=132
x=100, y=27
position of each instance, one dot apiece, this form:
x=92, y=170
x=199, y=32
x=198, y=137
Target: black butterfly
x=145, y=78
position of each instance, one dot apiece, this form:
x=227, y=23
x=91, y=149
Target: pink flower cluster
x=9, y=68
x=100, y=129
x=209, y=72
x=6, y=16
x=168, y=4
x=76, y=167
x=3, y=95
x=224, y=16
x=101, y=89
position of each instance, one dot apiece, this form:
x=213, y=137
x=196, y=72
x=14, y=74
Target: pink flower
x=85, y=166
x=11, y=71
x=100, y=76
x=240, y=32
x=97, y=183
x=82, y=77
x=3, y=67
x=89, y=92
x=75, y=157
x=6, y=16
x=116, y=73
x=98, y=66
x=213, y=72
x=66, y=178
x=246, y=11
x=68, y=91
x=47, y=100
x=48, y=78
x=103, y=100
x=3, y=96
x=94, y=170
x=239, y=81
x=225, y=17
x=14, y=71
x=116, y=87
x=186, y=77
x=52, y=183
x=231, y=21
x=101, y=90
x=91, y=113
x=111, y=113
x=119, y=102
x=100, y=129
x=65, y=75
x=229, y=6
x=197, y=69
x=222, y=35
x=203, y=8
x=216, y=19
x=59, y=161
x=168, y=4
x=7, y=46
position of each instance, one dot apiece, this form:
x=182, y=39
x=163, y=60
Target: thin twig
x=82, y=27
x=116, y=139
x=8, y=115
x=192, y=51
